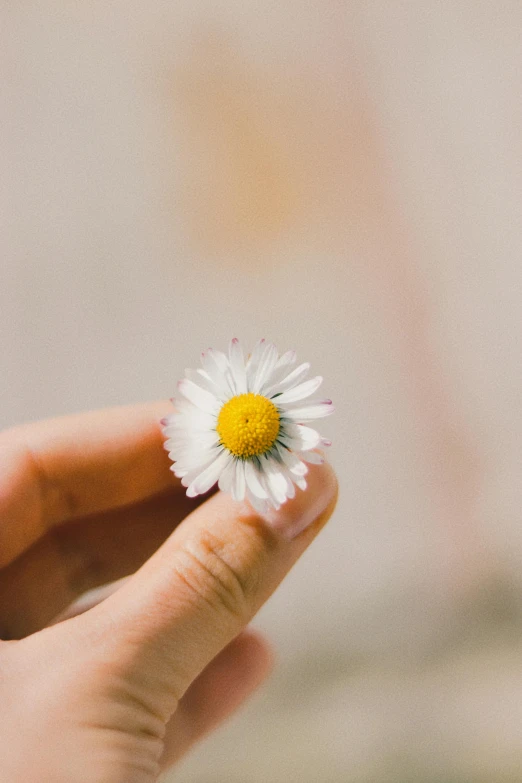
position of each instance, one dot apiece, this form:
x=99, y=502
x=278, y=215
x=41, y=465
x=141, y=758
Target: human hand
x=131, y=676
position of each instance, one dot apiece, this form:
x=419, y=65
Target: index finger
x=73, y=466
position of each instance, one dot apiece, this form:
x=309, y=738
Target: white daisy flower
x=243, y=424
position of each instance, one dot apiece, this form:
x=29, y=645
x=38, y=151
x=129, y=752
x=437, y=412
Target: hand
x=126, y=680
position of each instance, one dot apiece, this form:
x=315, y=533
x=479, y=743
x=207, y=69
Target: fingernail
x=300, y=512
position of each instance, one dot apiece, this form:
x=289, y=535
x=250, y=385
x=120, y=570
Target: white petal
x=215, y=363
x=237, y=366
x=239, y=482
x=182, y=439
x=261, y=472
x=298, y=437
x=274, y=478
x=253, y=482
x=189, y=419
x=272, y=501
x=291, y=380
x=209, y=476
x=278, y=486
x=227, y=477
x=292, y=462
x=183, y=443
x=231, y=383
x=265, y=368
x=193, y=440
x=261, y=506
x=290, y=479
x=191, y=428
x=201, y=378
x=315, y=411
x=290, y=487
x=188, y=459
x=253, y=362
x=300, y=391
x=282, y=365
x=193, y=472
x=286, y=360
x=216, y=385
x=199, y=397
x=214, y=359
x=187, y=463
x=182, y=407
x=301, y=483
x=312, y=457
x=193, y=463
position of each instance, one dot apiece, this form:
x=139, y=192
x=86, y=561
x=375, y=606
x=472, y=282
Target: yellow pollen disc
x=248, y=425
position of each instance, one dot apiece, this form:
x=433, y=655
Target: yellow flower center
x=248, y=425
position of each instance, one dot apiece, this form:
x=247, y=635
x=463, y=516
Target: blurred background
x=343, y=178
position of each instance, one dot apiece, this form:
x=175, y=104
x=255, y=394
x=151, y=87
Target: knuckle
x=224, y=574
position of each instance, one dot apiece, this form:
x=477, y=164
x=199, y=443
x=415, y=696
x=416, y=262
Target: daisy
x=242, y=424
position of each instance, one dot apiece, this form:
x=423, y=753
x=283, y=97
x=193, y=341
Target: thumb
x=198, y=591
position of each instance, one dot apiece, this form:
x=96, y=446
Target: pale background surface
x=343, y=178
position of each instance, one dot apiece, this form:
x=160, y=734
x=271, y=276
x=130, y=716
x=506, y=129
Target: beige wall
x=345, y=179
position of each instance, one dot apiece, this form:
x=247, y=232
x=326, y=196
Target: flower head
x=242, y=424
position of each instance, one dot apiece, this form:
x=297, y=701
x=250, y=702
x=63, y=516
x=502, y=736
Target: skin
x=116, y=687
